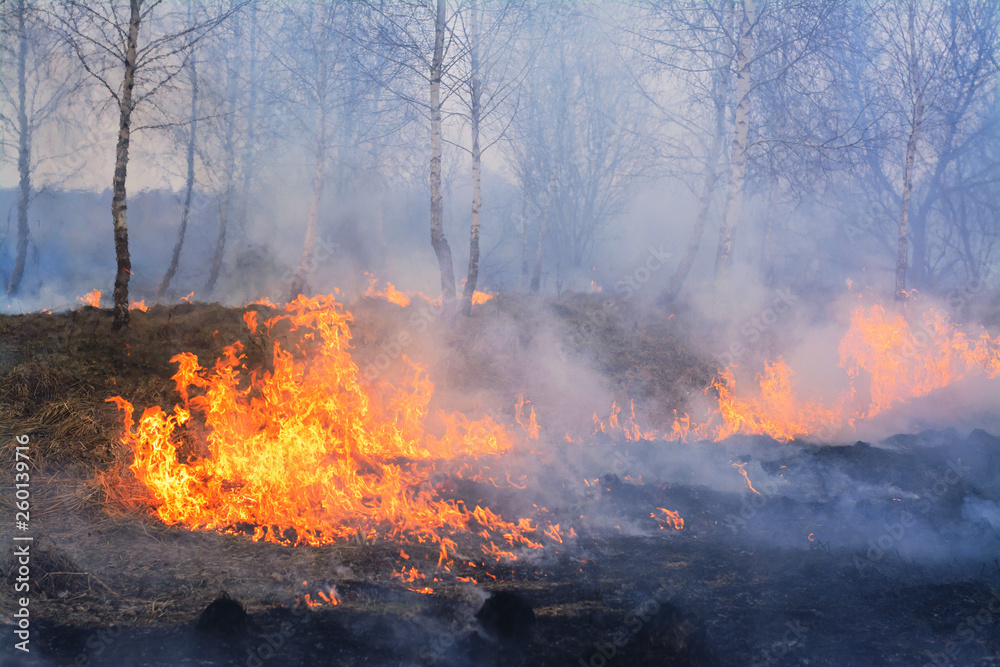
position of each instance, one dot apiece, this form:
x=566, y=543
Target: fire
x=887, y=359
x=328, y=596
x=188, y=297
x=307, y=453
x=479, y=298
x=390, y=293
x=530, y=425
x=92, y=298
x=626, y=425
x=742, y=467
x=670, y=518
x=393, y=295
x=139, y=305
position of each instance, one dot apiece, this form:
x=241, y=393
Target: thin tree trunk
x=919, y=277
x=229, y=145
x=299, y=284
x=118, y=198
x=248, y=153
x=524, y=242
x=536, y=274
x=477, y=200
x=711, y=177
x=911, y=151
x=188, y=185
x=23, y=152
x=767, y=244
x=734, y=200
x=438, y=240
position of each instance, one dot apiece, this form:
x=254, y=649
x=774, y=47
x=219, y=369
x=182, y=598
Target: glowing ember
x=742, y=467
x=92, y=298
x=327, y=595
x=306, y=453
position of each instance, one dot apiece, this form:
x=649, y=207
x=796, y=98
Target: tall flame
x=306, y=453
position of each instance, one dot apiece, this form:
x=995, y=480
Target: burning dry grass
x=113, y=563
x=58, y=369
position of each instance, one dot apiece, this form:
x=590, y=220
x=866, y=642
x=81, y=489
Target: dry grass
x=57, y=370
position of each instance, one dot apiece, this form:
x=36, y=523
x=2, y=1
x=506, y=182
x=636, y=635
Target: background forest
x=242, y=149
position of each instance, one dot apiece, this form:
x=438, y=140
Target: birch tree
x=133, y=53
x=36, y=84
x=489, y=93
x=192, y=133
x=738, y=151
x=931, y=103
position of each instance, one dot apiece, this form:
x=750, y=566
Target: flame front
x=888, y=359
x=307, y=454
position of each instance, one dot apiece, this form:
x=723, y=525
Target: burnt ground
x=864, y=554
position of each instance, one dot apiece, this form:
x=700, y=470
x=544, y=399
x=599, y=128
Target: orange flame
x=530, y=426
x=306, y=453
x=479, y=298
x=670, y=518
x=139, y=305
x=390, y=293
x=250, y=317
x=401, y=298
x=888, y=359
x=742, y=467
x=92, y=298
